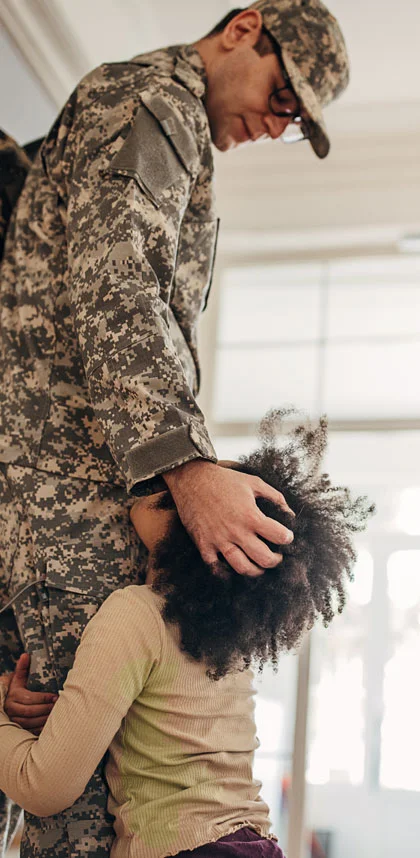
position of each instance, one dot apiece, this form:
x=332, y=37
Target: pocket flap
x=70, y=572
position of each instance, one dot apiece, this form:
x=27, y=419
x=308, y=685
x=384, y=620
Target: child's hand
x=28, y=709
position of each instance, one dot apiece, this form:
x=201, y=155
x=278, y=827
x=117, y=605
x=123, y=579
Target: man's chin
x=225, y=144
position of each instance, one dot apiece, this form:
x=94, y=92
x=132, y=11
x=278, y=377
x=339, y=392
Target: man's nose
x=275, y=125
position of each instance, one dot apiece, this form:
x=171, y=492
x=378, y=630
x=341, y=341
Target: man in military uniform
x=107, y=267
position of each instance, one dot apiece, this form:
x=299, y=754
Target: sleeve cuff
x=148, y=461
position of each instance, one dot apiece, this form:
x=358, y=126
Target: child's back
x=180, y=767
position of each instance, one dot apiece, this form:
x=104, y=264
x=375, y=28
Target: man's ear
x=244, y=28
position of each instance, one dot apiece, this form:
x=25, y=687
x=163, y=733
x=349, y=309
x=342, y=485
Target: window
x=342, y=337
x=337, y=700
x=408, y=514
x=337, y=336
x=400, y=748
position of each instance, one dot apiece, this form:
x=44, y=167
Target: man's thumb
x=20, y=676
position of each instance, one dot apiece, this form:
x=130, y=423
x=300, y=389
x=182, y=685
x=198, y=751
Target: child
x=162, y=674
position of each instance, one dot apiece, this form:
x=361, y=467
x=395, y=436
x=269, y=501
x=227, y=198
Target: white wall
x=370, y=178
x=26, y=111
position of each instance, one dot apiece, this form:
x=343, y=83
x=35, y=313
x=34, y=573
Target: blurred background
x=315, y=302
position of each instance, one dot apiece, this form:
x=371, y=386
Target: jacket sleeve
x=127, y=194
x=117, y=652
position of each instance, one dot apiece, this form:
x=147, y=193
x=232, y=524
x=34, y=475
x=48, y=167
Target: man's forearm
x=173, y=477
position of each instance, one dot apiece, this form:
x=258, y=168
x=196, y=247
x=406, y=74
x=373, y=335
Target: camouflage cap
x=314, y=54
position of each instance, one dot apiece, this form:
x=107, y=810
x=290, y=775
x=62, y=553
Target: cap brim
x=318, y=136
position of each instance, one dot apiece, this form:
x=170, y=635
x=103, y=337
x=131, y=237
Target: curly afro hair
x=230, y=621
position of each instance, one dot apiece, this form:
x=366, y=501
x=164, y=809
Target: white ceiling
x=371, y=178
x=71, y=38
x=383, y=39
x=382, y=36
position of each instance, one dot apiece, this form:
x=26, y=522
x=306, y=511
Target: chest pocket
x=159, y=150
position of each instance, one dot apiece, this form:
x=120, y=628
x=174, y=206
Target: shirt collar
x=191, y=71
x=183, y=62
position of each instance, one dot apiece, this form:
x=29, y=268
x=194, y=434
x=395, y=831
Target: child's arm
x=31, y=709
x=118, y=649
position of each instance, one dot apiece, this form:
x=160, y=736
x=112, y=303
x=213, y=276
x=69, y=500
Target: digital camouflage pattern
x=14, y=167
x=107, y=266
x=65, y=545
x=315, y=56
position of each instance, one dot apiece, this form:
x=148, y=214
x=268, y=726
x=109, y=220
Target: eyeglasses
x=297, y=128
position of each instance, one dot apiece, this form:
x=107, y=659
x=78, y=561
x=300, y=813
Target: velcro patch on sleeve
x=148, y=157
x=180, y=136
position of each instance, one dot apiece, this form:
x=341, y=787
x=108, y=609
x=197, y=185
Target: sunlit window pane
x=400, y=748
x=337, y=752
x=374, y=297
x=231, y=448
x=248, y=382
x=275, y=717
x=360, y=589
x=403, y=582
x=339, y=336
x=270, y=720
x=337, y=695
x=269, y=763
x=354, y=312
x=270, y=304
x=408, y=515
x=372, y=381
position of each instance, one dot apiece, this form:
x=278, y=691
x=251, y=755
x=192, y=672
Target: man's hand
x=29, y=709
x=217, y=507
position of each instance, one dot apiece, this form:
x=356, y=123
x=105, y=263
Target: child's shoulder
x=135, y=611
x=139, y=595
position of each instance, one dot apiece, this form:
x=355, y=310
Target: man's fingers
x=20, y=676
x=252, y=557
x=260, y=554
x=275, y=532
x=16, y=710
x=263, y=490
x=240, y=562
x=235, y=557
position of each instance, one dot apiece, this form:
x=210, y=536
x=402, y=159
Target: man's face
x=238, y=96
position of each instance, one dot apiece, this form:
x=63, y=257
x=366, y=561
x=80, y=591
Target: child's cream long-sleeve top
x=181, y=745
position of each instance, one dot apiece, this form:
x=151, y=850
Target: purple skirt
x=244, y=843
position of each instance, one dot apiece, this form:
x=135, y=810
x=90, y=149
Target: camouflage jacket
x=108, y=262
